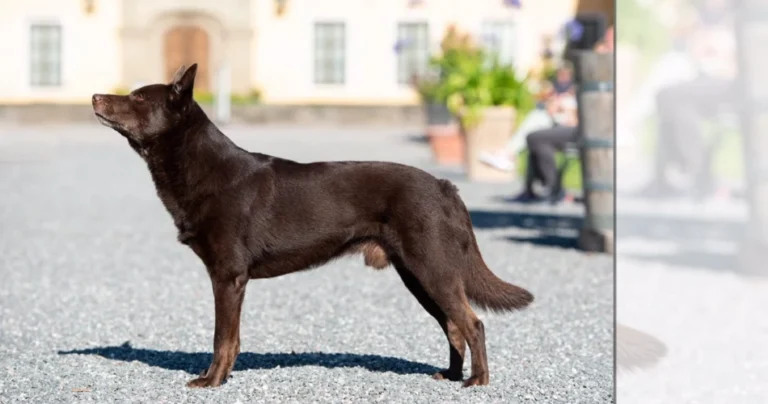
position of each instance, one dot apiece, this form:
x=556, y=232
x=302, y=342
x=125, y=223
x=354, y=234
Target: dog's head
x=150, y=111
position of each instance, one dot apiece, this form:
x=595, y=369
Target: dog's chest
x=171, y=200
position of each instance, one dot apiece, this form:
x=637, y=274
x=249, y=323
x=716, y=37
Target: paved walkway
x=100, y=304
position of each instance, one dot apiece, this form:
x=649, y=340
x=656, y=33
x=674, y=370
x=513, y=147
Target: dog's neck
x=193, y=163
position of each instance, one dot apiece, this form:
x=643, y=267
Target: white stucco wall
x=90, y=51
x=98, y=55
x=283, y=47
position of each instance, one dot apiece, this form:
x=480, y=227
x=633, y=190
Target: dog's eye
x=138, y=97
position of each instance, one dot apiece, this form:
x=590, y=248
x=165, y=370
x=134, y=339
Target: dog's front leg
x=228, y=293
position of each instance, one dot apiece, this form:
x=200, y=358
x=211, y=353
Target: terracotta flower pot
x=447, y=144
x=489, y=135
x=444, y=135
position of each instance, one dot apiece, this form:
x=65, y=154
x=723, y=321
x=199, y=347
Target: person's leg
x=528, y=195
x=679, y=135
x=504, y=159
x=542, y=146
x=718, y=97
x=537, y=119
x=681, y=110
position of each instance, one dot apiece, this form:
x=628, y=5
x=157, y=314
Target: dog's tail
x=490, y=292
x=481, y=285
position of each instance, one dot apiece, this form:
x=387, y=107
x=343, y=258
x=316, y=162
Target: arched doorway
x=187, y=44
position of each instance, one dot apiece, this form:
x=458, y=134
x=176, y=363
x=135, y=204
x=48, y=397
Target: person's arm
x=553, y=105
x=563, y=109
x=714, y=50
x=570, y=112
x=570, y=118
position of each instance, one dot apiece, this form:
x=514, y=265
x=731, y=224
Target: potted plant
x=490, y=99
x=442, y=128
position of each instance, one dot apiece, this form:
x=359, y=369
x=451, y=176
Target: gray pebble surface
x=99, y=303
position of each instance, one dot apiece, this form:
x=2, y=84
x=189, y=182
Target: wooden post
x=596, y=134
x=751, y=36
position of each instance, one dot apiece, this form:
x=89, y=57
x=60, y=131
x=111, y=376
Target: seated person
x=558, y=99
x=682, y=107
x=543, y=144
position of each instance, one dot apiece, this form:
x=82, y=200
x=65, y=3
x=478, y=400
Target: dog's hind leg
x=446, y=288
x=456, y=342
x=454, y=303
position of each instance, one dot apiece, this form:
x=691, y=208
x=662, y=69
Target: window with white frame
x=45, y=54
x=500, y=38
x=412, y=50
x=330, y=53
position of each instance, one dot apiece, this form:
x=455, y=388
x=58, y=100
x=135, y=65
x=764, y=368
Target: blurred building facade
x=292, y=51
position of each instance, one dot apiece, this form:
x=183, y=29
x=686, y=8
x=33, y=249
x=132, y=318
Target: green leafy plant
x=472, y=81
x=427, y=87
x=549, y=72
x=432, y=87
x=203, y=97
x=641, y=27
x=250, y=98
x=120, y=90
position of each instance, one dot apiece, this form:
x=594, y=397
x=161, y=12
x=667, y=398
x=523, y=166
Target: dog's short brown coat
x=250, y=215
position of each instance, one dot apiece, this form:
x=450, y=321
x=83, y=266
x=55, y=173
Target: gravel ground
x=99, y=303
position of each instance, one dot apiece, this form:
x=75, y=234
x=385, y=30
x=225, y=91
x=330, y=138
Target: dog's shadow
x=196, y=362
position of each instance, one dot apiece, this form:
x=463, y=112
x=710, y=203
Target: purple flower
x=574, y=29
x=400, y=45
x=513, y=3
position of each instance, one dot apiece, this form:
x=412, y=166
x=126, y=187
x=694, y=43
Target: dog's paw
x=481, y=380
x=204, y=382
x=448, y=375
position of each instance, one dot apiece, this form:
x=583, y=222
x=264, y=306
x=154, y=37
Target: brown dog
x=250, y=216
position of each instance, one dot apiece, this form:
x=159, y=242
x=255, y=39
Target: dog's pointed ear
x=184, y=79
x=179, y=72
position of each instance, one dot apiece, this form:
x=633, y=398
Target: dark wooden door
x=187, y=44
